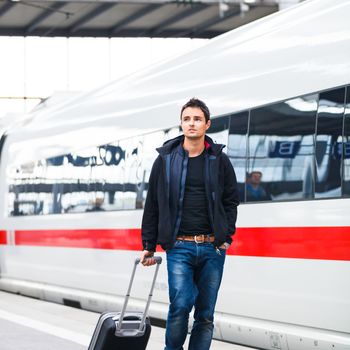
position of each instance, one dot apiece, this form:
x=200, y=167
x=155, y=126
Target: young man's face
x=256, y=178
x=193, y=123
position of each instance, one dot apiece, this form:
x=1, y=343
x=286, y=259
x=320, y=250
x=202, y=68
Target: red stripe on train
x=3, y=237
x=123, y=239
x=329, y=243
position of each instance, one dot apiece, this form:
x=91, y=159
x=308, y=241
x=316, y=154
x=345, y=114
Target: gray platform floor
x=30, y=324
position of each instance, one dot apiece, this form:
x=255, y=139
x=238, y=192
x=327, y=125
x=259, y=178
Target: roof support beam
x=7, y=6
x=140, y=18
x=138, y=14
x=98, y=33
x=89, y=16
x=36, y=21
x=209, y=23
x=195, y=8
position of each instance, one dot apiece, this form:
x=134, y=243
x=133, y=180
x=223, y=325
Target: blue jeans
x=194, y=277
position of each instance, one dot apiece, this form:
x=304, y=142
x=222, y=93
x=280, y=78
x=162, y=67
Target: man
x=255, y=191
x=191, y=210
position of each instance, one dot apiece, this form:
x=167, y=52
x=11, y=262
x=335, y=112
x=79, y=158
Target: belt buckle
x=201, y=240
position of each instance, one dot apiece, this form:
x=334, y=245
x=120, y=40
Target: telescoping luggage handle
x=158, y=260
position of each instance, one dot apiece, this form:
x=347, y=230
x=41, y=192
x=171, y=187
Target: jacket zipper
x=207, y=182
x=182, y=195
x=167, y=174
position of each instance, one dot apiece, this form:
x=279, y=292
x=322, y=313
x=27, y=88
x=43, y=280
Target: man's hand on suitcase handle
x=147, y=259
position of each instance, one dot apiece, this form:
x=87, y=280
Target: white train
x=74, y=180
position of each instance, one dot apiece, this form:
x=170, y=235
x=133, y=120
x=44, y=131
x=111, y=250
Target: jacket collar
x=176, y=144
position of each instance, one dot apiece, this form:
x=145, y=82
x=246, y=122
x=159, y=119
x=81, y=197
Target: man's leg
x=207, y=278
x=180, y=278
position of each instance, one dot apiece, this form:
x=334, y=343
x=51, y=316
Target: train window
x=346, y=147
x=78, y=187
x=54, y=182
x=281, y=150
x=237, y=148
x=24, y=186
x=13, y=189
x=97, y=181
x=273, y=150
x=109, y=177
x=115, y=161
x=218, y=130
x=149, y=144
x=132, y=174
x=43, y=188
x=329, y=143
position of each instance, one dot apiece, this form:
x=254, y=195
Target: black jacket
x=163, y=208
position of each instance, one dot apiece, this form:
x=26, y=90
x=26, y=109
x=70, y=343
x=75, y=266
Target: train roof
x=297, y=51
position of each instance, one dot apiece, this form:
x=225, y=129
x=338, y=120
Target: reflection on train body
x=301, y=148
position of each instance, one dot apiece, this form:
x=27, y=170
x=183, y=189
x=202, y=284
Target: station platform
x=31, y=324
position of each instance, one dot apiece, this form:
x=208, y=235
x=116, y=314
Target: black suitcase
x=124, y=330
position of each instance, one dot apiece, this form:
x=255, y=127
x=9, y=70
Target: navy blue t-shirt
x=195, y=218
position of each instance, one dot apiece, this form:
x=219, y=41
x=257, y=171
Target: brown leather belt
x=196, y=238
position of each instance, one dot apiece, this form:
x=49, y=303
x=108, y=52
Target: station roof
x=114, y=18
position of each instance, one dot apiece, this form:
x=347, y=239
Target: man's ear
x=208, y=124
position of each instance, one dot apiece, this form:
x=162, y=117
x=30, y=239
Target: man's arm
x=149, y=230
x=230, y=197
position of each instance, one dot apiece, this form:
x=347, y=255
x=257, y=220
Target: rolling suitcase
x=125, y=330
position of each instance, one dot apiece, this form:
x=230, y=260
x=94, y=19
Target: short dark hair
x=195, y=102
x=249, y=175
